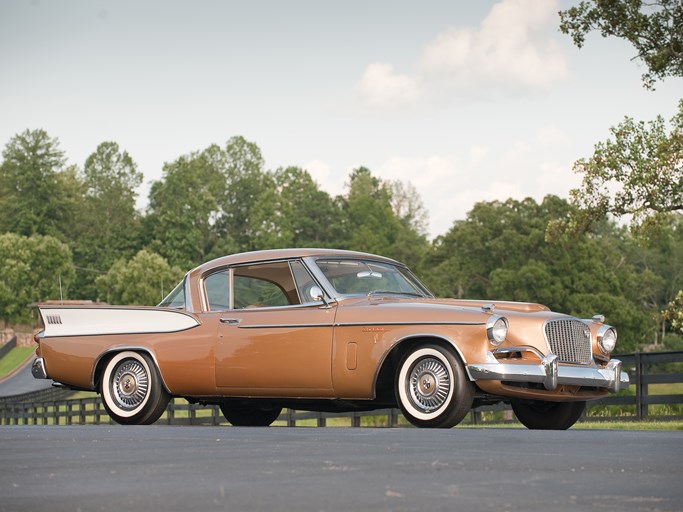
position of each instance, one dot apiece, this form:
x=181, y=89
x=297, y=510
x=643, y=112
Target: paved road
x=23, y=382
x=93, y=468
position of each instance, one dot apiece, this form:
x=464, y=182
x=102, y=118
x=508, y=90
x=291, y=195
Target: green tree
x=674, y=313
x=637, y=173
x=372, y=225
x=144, y=280
x=183, y=208
x=33, y=269
x=108, y=226
x=247, y=213
x=654, y=28
x=34, y=193
x=306, y=216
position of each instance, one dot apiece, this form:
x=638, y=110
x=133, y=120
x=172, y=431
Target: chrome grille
x=570, y=340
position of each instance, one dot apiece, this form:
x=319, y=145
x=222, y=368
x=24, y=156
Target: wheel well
x=104, y=359
x=384, y=384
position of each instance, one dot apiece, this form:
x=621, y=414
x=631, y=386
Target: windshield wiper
x=388, y=292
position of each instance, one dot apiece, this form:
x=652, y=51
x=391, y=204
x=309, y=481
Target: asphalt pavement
x=92, y=468
x=22, y=381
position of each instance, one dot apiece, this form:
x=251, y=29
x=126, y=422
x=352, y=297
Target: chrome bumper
x=38, y=368
x=551, y=374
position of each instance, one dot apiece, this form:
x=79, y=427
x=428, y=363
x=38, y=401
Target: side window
x=218, y=290
x=304, y=281
x=175, y=299
x=264, y=285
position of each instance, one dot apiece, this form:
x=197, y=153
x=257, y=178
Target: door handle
x=231, y=321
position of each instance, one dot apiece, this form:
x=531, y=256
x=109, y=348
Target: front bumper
x=551, y=374
x=38, y=368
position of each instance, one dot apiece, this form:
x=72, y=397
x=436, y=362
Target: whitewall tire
x=132, y=391
x=432, y=388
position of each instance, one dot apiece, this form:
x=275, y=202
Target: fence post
x=291, y=422
x=641, y=387
x=321, y=421
x=355, y=419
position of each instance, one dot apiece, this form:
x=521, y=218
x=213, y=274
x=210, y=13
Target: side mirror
x=316, y=293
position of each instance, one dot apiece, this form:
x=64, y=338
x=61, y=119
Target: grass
x=13, y=359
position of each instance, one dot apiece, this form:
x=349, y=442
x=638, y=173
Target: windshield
x=363, y=277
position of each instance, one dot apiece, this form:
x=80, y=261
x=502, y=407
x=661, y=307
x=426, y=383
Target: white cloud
x=320, y=171
x=552, y=135
x=423, y=173
x=478, y=154
x=507, y=51
x=381, y=86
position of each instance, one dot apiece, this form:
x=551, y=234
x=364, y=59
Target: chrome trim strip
x=354, y=324
x=38, y=368
x=361, y=324
x=283, y=326
x=551, y=374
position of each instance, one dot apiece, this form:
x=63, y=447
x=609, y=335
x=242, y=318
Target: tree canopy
x=654, y=28
x=637, y=173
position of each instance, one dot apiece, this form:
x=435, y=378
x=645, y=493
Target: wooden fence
x=645, y=370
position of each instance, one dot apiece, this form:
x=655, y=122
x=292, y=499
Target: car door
x=273, y=338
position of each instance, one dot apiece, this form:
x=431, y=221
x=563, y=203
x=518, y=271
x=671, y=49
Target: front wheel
x=250, y=414
x=132, y=391
x=432, y=388
x=541, y=415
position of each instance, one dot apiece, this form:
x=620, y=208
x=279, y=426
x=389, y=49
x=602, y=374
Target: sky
x=467, y=101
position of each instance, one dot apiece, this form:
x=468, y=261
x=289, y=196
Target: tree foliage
x=144, y=280
x=639, y=173
x=33, y=190
x=654, y=28
x=108, y=226
x=33, y=269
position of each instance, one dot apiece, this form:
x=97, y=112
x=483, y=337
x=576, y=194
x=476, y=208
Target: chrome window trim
x=188, y=295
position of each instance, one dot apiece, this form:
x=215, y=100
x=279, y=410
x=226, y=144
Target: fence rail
x=645, y=370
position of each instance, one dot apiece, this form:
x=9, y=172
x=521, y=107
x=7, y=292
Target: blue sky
x=468, y=101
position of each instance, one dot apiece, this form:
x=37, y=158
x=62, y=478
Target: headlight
x=496, y=330
x=607, y=339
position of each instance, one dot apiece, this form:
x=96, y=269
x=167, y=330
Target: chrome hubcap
x=130, y=384
x=429, y=384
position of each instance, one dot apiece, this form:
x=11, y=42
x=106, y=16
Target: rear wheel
x=432, y=388
x=541, y=415
x=250, y=414
x=132, y=392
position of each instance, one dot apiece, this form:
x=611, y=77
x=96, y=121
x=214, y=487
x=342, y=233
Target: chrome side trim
x=283, y=326
x=551, y=374
x=361, y=324
x=38, y=368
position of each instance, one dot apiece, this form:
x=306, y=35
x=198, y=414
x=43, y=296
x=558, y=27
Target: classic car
x=327, y=330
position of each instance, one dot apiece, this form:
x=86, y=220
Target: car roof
x=279, y=254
